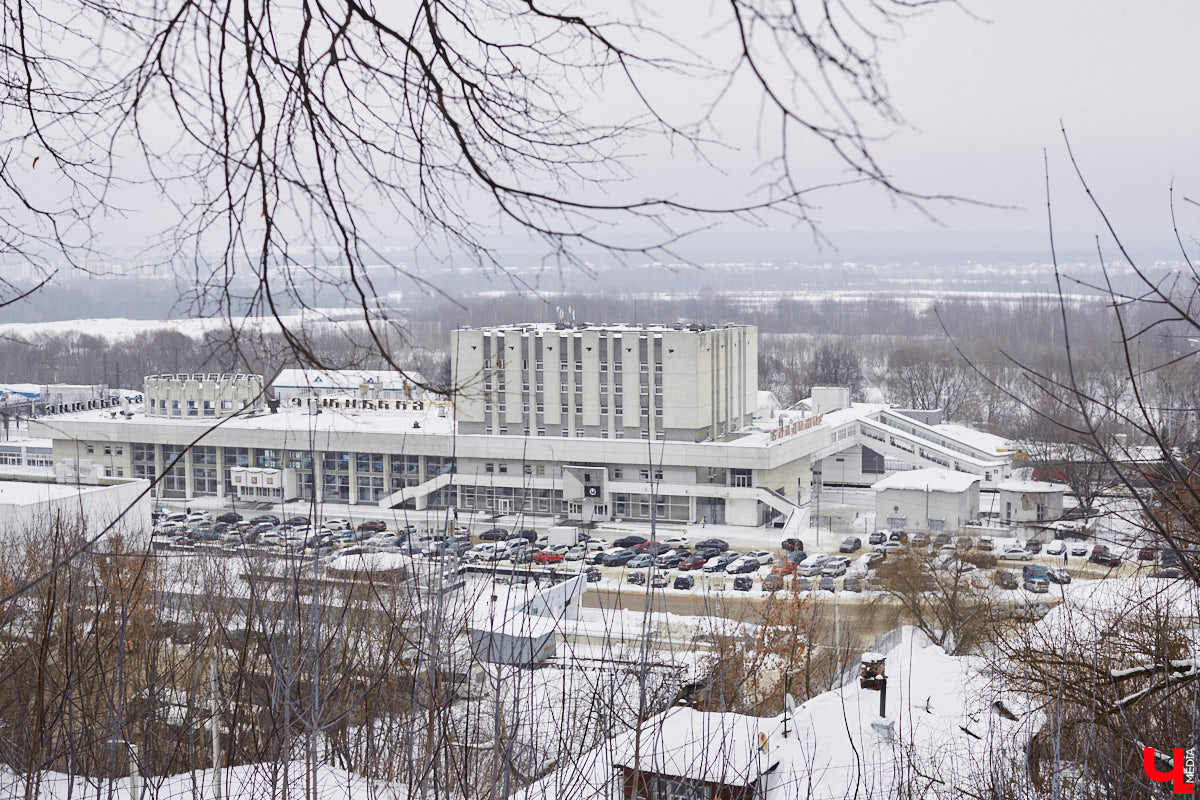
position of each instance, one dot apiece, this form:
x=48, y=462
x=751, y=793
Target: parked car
x=1037, y=585
x=827, y=584
x=833, y=569
x=199, y=516
x=591, y=574
x=669, y=559
x=528, y=534
x=964, y=543
x=742, y=565
x=629, y=541
x=1170, y=572
x=576, y=553
x=850, y=544
x=526, y=555
x=637, y=578
x=377, y=525
x=763, y=556
x=790, y=545
x=640, y=561
x=1032, y=571
x=985, y=543
x=878, y=537
x=1058, y=575
x=772, y=583
x=802, y=584
x=1006, y=579
x=1105, y=559
x=684, y=582
x=714, y=544
x=595, y=545
x=920, y=539
x=299, y=521
x=940, y=539
x=230, y=516
x=852, y=584
x=720, y=562
x=1016, y=554
x=874, y=558
x=490, y=535
x=695, y=561
x=743, y=583
x=1147, y=554
x=1056, y=548
x=812, y=565
x=659, y=581
x=653, y=548
x=1033, y=546
x=789, y=563
x=271, y=518
x=547, y=557
x=1080, y=550
x=889, y=547
x=898, y=536
x=619, y=558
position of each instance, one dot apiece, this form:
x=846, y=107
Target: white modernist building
x=587, y=422
x=933, y=499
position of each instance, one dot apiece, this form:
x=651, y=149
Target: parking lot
x=680, y=561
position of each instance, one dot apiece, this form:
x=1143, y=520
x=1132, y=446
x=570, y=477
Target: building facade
x=661, y=383
x=630, y=423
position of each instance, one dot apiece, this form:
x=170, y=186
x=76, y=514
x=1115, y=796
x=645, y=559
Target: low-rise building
x=1023, y=502
x=933, y=500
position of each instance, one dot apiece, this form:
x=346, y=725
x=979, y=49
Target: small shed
x=522, y=640
x=934, y=500
x=1029, y=502
x=686, y=753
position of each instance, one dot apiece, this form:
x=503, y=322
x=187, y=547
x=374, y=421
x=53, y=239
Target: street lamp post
x=135, y=779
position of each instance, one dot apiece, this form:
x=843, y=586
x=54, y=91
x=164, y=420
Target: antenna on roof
x=559, y=311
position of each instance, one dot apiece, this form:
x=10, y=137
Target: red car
x=695, y=561
x=547, y=557
x=785, y=567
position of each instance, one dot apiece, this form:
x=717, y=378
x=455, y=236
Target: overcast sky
x=985, y=98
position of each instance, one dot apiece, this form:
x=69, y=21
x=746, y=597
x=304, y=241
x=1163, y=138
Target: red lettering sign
x=1177, y=776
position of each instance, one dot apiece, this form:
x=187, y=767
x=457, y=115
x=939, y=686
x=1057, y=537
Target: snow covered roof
x=1030, y=486
x=943, y=719
x=730, y=749
x=987, y=442
x=932, y=479
x=344, y=379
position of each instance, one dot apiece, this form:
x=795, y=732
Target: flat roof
x=28, y=493
x=616, y=327
x=932, y=479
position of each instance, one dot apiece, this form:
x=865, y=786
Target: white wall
x=955, y=508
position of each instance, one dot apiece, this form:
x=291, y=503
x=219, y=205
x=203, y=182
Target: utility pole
x=215, y=723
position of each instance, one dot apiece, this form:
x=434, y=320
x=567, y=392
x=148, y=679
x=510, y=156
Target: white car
x=1016, y=554
x=199, y=516
x=890, y=547
x=576, y=553
x=763, y=556
x=596, y=545
x=677, y=541
x=1056, y=548
x=338, y=524
x=812, y=565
